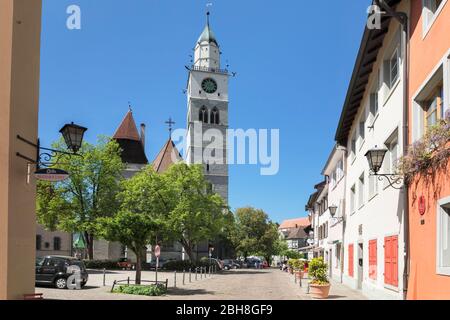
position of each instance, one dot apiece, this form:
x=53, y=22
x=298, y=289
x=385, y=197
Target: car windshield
x=39, y=261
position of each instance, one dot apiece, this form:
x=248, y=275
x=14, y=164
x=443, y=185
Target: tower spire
x=207, y=17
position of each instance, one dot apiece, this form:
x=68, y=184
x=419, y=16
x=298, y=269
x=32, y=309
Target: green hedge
x=185, y=265
x=101, y=264
x=153, y=290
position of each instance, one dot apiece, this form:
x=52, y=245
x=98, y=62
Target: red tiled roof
x=166, y=157
x=295, y=223
x=127, y=129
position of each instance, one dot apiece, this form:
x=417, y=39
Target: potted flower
x=298, y=266
x=319, y=285
x=291, y=263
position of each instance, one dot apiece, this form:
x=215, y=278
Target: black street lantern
x=376, y=158
x=333, y=210
x=73, y=136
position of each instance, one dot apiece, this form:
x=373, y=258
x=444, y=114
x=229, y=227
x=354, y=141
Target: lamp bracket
x=395, y=181
x=45, y=157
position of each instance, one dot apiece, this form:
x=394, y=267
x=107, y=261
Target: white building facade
x=373, y=118
x=334, y=171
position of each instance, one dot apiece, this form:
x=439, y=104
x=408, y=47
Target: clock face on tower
x=209, y=85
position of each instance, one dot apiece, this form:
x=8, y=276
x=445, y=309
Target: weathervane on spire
x=170, y=123
x=129, y=106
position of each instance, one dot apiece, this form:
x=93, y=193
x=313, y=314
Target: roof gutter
x=402, y=18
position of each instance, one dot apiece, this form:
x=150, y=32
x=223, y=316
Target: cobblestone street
x=232, y=285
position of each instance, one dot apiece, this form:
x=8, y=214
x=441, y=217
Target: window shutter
x=394, y=260
x=350, y=260
x=373, y=259
x=387, y=261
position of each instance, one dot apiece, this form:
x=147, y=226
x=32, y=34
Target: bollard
x=184, y=275
x=104, y=277
x=201, y=272
x=175, y=279
x=295, y=278
x=190, y=272
x=195, y=274
x=128, y=281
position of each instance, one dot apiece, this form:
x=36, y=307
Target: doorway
x=360, y=265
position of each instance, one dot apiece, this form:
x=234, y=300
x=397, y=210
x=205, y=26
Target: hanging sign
x=51, y=175
x=422, y=205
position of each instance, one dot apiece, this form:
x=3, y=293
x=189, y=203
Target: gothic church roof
x=167, y=156
x=130, y=142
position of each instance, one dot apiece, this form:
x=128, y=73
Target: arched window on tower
x=203, y=115
x=215, y=116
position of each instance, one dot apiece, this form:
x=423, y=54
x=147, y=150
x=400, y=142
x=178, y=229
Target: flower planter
x=318, y=291
x=299, y=274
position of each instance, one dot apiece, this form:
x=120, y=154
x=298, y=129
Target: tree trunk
x=91, y=246
x=188, y=249
x=138, y=266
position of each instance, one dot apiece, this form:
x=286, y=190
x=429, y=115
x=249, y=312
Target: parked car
x=161, y=263
x=229, y=264
x=56, y=270
x=125, y=264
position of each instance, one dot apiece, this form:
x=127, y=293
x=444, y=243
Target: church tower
x=207, y=95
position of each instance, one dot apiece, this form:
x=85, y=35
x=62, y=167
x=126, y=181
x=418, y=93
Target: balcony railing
x=206, y=69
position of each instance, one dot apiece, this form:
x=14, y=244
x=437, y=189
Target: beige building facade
x=20, y=31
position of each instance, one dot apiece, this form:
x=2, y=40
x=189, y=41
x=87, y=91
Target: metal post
x=295, y=278
x=184, y=275
x=128, y=281
x=190, y=273
x=104, y=277
x=175, y=280
x=195, y=274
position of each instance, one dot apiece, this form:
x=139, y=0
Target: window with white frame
x=353, y=147
x=374, y=101
x=393, y=68
x=443, y=237
x=373, y=186
x=430, y=10
x=352, y=198
x=391, y=64
x=361, y=187
x=340, y=170
x=391, y=159
x=362, y=131
x=428, y=106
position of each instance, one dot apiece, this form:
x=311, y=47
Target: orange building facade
x=429, y=194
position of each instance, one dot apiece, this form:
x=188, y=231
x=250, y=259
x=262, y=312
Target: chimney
x=143, y=135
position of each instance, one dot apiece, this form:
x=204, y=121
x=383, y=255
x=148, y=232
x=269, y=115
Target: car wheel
x=61, y=283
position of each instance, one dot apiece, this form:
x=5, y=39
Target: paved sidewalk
x=245, y=284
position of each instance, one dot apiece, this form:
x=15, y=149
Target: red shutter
x=391, y=261
x=350, y=260
x=394, y=260
x=387, y=260
x=373, y=259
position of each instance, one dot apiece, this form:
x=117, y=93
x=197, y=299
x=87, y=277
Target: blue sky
x=293, y=58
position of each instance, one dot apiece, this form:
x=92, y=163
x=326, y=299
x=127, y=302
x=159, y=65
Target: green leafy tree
x=254, y=233
x=74, y=205
x=195, y=214
x=141, y=217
